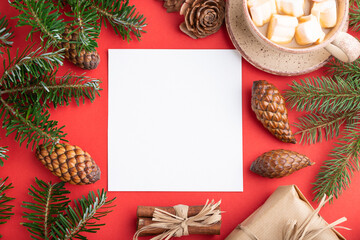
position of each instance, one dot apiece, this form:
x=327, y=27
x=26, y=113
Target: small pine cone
x=173, y=5
x=70, y=163
x=202, y=17
x=85, y=60
x=269, y=107
x=279, y=163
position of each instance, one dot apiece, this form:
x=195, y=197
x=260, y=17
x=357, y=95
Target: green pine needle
x=48, y=200
x=335, y=175
x=43, y=17
x=354, y=15
x=82, y=217
x=36, y=62
x=121, y=16
x=348, y=71
x=313, y=127
x=85, y=24
x=3, y=155
x=5, y=34
x=325, y=95
x=5, y=207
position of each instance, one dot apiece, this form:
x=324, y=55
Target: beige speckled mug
x=339, y=44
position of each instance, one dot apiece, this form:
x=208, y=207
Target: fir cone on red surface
x=279, y=163
x=84, y=59
x=173, y=5
x=202, y=17
x=70, y=163
x=269, y=107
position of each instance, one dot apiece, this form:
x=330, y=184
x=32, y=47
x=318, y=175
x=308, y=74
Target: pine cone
x=173, y=5
x=269, y=107
x=279, y=163
x=202, y=17
x=85, y=60
x=70, y=163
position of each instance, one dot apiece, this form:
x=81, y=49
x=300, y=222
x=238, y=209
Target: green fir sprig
x=5, y=34
x=51, y=217
x=334, y=104
x=5, y=207
x=354, y=15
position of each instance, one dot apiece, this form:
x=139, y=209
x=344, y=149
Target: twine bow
x=177, y=225
x=308, y=230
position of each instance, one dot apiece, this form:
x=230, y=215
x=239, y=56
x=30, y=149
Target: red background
x=86, y=126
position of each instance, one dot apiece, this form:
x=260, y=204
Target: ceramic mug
x=338, y=43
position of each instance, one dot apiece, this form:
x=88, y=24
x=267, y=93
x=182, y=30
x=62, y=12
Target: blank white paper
x=175, y=120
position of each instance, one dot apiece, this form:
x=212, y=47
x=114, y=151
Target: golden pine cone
x=269, y=107
x=279, y=163
x=85, y=60
x=173, y=5
x=202, y=17
x=70, y=163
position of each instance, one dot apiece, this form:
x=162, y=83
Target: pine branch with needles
x=354, y=15
x=5, y=207
x=51, y=217
x=5, y=34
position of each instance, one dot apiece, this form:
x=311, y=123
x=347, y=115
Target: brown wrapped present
x=286, y=215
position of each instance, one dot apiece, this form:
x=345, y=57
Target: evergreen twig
x=354, y=15
x=5, y=34
x=325, y=95
x=5, y=207
x=335, y=175
x=49, y=199
x=3, y=155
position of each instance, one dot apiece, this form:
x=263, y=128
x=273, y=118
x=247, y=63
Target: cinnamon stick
x=148, y=211
x=209, y=230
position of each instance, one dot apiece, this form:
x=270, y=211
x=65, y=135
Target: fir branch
x=31, y=124
x=313, y=127
x=82, y=217
x=3, y=155
x=58, y=91
x=36, y=63
x=354, y=15
x=347, y=71
x=5, y=207
x=325, y=95
x=43, y=17
x=335, y=175
x=5, y=34
x=121, y=16
x=85, y=24
x=48, y=200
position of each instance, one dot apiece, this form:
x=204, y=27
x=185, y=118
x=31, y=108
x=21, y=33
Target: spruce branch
x=36, y=63
x=325, y=95
x=5, y=207
x=354, y=15
x=85, y=24
x=121, y=16
x=31, y=124
x=335, y=175
x=82, y=217
x=3, y=155
x=313, y=127
x=49, y=199
x=347, y=71
x=43, y=17
x=5, y=34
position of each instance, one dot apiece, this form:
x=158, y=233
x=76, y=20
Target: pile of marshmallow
x=287, y=19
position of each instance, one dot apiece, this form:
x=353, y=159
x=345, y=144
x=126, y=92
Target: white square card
x=175, y=120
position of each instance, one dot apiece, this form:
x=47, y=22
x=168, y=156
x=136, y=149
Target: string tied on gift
x=176, y=225
x=308, y=230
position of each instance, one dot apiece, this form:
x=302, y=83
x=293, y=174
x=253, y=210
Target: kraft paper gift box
x=270, y=221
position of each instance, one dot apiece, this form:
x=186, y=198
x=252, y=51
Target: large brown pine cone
x=269, y=107
x=173, y=5
x=279, y=163
x=85, y=60
x=202, y=17
x=70, y=163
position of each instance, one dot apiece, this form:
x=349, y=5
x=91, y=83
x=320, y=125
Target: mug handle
x=345, y=47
